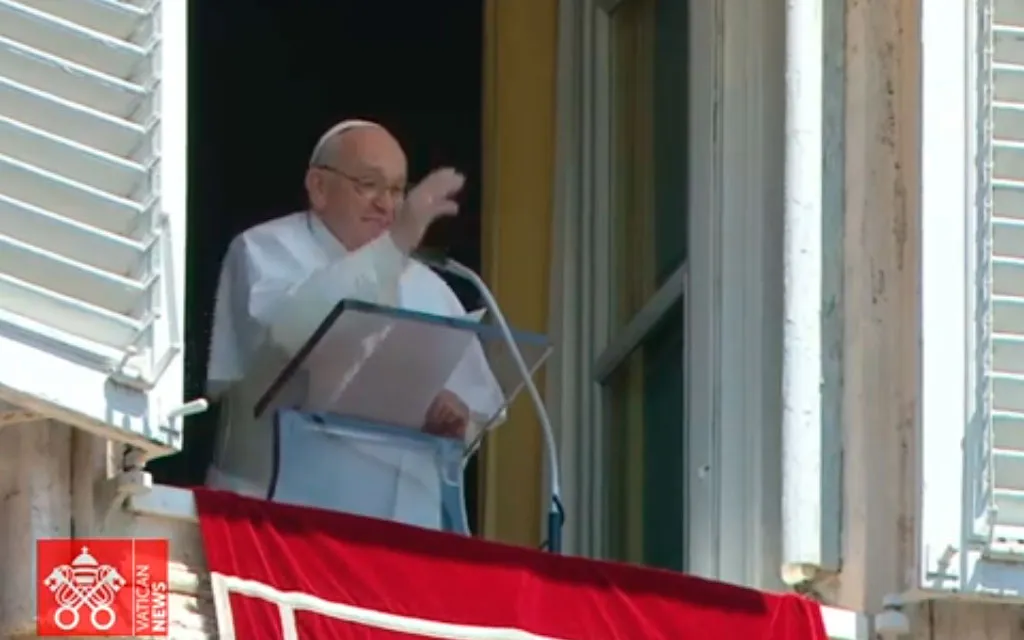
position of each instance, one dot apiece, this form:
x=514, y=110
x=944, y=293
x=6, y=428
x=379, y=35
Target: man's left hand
x=447, y=416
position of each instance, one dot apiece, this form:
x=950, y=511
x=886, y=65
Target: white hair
x=321, y=152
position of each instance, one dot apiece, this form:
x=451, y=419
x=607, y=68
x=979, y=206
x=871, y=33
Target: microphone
x=556, y=512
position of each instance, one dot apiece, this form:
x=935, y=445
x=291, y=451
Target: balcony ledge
x=172, y=503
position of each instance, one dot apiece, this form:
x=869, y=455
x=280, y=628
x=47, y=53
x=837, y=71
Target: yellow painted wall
x=520, y=44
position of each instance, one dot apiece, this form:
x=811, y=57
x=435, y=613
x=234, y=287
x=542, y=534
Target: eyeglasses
x=369, y=187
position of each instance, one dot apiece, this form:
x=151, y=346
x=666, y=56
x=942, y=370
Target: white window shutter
x=1000, y=303
x=92, y=212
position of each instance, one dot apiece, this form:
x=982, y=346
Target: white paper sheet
x=387, y=370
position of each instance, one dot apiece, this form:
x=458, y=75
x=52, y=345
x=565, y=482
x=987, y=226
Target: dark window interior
x=266, y=78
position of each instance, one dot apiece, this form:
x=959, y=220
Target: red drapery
x=340, y=577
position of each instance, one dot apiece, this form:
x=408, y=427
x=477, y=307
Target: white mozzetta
x=92, y=213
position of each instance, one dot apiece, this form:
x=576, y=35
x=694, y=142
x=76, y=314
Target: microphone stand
x=556, y=512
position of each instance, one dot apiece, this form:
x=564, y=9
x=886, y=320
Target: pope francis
x=280, y=278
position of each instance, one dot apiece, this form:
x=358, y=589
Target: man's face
x=359, y=190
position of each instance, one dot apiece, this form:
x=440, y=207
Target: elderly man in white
x=280, y=278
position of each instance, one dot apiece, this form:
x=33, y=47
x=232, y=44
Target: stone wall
x=53, y=484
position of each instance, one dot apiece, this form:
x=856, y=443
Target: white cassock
x=278, y=282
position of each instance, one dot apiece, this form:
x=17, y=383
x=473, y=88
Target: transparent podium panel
x=385, y=366
x=390, y=473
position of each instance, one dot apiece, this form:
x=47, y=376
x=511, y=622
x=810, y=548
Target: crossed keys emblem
x=84, y=583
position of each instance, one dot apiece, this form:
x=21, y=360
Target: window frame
x=733, y=492
x=622, y=342
x=630, y=337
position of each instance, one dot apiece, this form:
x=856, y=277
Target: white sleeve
x=370, y=274
x=256, y=303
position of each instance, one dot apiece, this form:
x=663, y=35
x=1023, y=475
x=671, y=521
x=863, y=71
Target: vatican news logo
x=108, y=587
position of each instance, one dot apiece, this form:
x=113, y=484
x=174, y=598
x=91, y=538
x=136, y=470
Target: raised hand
x=432, y=198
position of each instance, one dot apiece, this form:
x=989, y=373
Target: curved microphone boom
x=556, y=513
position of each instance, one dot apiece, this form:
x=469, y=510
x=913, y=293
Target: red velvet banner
x=282, y=572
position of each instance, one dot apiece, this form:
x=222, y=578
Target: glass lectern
x=347, y=411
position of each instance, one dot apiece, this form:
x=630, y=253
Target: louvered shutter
x=92, y=210
x=1000, y=303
